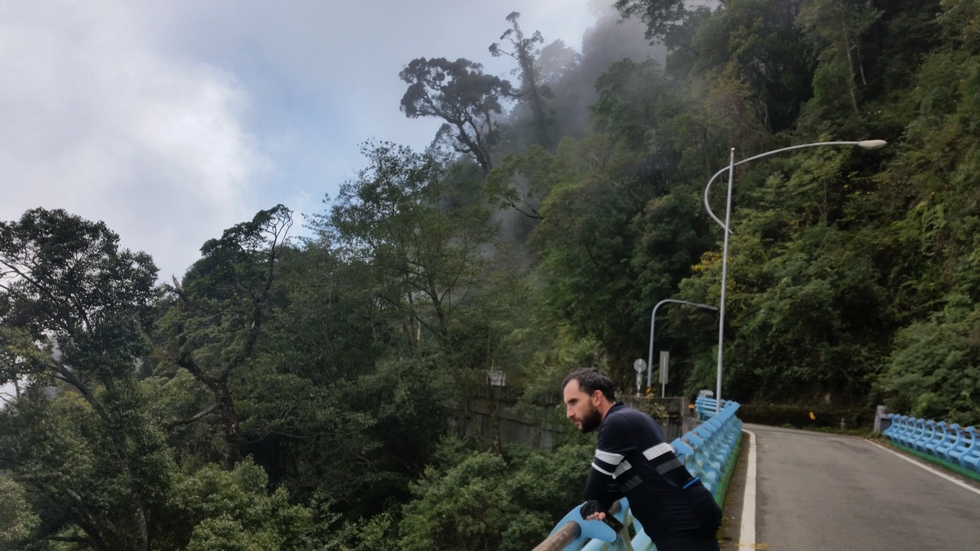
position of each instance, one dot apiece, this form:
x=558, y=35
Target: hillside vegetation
x=294, y=393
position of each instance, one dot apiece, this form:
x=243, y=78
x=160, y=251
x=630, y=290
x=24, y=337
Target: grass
x=722, y=489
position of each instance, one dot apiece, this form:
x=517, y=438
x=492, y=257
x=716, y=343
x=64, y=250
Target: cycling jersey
x=634, y=459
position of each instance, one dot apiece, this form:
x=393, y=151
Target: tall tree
x=459, y=93
x=75, y=309
x=213, y=328
x=532, y=91
x=755, y=46
x=835, y=28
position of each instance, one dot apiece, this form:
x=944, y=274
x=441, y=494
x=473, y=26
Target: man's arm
x=610, y=460
x=602, y=488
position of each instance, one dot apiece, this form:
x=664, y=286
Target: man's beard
x=591, y=421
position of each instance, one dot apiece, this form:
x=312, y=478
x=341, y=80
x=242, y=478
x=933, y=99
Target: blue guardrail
x=951, y=443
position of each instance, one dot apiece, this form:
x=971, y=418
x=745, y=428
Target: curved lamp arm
x=866, y=144
x=653, y=321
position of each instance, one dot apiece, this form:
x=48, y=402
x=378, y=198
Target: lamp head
x=872, y=144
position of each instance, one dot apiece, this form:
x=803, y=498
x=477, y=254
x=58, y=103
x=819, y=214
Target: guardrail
x=706, y=451
x=706, y=407
x=952, y=443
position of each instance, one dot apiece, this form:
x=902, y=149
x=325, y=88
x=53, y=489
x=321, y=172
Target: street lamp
x=866, y=144
x=653, y=320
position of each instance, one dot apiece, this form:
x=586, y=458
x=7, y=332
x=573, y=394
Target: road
x=821, y=492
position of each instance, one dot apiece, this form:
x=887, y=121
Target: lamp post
x=653, y=321
x=865, y=144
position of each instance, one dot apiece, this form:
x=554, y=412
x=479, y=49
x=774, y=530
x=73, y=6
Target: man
x=634, y=459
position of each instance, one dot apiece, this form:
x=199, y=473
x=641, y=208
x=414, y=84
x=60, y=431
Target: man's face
x=581, y=408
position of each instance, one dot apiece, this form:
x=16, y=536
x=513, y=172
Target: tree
x=636, y=104
x=465, y=508
x=425, y=254
x=235, y=510
x=76, y=310
x=480, y=500
x=532, y=91
x=459, y=93
x=671, y=22
x=218, y=313
x=754, y=49
x=935, y=267
x=835, y=27
x=932, y=372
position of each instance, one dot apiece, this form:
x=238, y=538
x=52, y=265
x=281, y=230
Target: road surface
x=822, y=492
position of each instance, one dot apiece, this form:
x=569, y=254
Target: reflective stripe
x=607, y=457
x=657, y=451
x=630, y=484
x=669, y=466
x=601, y=470
x=622, y=468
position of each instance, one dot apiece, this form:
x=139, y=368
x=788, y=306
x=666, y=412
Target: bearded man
x=633, y=459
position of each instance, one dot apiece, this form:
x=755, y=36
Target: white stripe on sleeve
x=657, y=451
x=622, y=468
x=601, y=470
x=607, y=457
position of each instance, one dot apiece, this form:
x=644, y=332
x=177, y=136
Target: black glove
x=594, y=506
x=590, y=507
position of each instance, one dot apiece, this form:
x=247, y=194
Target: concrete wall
x=514, y=429
x=533, y=428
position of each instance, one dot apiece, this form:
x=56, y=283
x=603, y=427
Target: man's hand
x=593, y=510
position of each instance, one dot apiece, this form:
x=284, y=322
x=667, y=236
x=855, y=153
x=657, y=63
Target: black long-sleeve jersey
x=634, y=459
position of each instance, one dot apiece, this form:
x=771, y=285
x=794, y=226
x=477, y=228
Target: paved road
x=818, y=492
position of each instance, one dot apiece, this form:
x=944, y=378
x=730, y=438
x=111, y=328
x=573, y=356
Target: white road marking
x=746, y=536
x=928, y=468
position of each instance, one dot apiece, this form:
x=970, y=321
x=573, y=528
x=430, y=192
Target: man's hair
x=590, y=379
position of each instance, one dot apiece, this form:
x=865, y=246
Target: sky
x=173, y=120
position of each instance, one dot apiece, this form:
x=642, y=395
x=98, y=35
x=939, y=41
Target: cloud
x=172, y=121
x=98, y=122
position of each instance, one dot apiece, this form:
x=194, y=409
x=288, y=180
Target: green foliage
x=484, y=501
x=933, y=371
x=366, y=534
x=214, y=322
x=425, y=253
x=233, y=510
x=521, y=181
x=835, y=28
x=584, y=241
x=464, y=508
x=671, y=22
x=755, y=53
x=17, y=520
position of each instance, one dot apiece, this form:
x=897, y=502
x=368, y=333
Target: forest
x=293, y=392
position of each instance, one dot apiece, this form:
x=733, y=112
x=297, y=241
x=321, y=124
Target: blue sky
x=174, y=120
